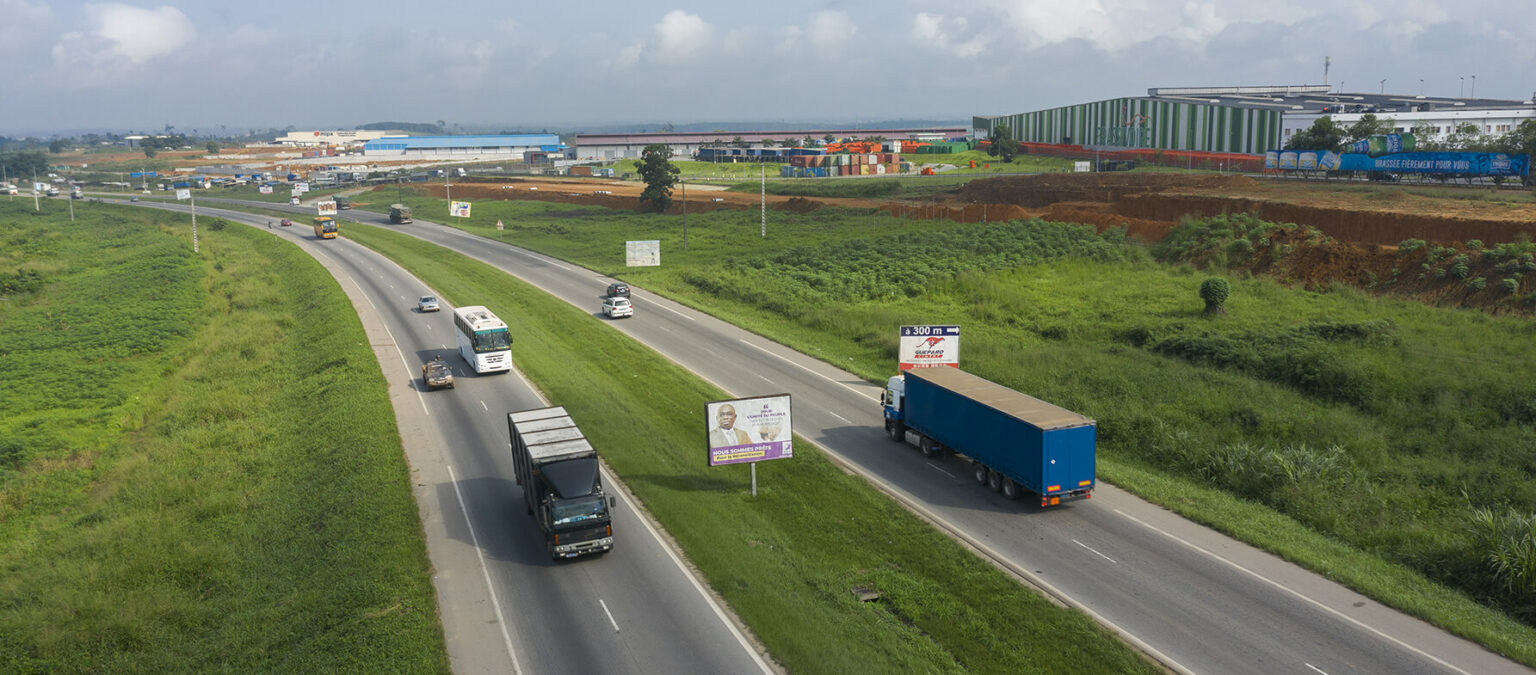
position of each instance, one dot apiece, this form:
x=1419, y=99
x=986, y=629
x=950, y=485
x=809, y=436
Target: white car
x=427, y=303
x=617, y=307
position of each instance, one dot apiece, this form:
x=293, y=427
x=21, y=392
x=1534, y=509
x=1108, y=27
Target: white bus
x=484, y=341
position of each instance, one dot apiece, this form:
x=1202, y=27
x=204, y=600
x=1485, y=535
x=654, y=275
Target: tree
x=738, y=142
x=24, y=163
x=829, y=138
x=58, y=145
x=1214, y=291
x=1426, y=137
x=1367, y=127
x=1464, y=136
x=809, y=142
x=659, y=173
x=1324, y=134
x=1003, y=144
x=213, y=147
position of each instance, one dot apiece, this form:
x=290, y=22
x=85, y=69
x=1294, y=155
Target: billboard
x=183, y=194
x=265, y=189
x=642, y=253
x=459, y=209
x=325, y=208
x=748, y=429
x=1453, y=163
x=927, y=346
x=301, y=188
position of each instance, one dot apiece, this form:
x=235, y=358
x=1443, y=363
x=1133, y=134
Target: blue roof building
x=460, y=147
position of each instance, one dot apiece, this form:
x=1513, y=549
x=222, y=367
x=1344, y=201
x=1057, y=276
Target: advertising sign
x=265, y=189
x=325, y=208
x=642, y=253
x=928, y=346
x=183, y=194
x=1457, y=163
x=1081, y=167
x=301, y=188
x=143, y=174
x=459, y=209
x=749, y=429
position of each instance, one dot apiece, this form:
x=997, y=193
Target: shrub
x=1511, y=286
x=1409, y=245
x=1478, y=284
x=1474, y=244
x=1460, y=268
x=1214, y=291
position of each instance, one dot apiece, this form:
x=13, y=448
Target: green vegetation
x=187, y=483
x=1369, y=431
x=786, y=567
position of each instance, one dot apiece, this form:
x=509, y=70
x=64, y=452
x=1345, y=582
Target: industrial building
x=628, y=146
x=1246, y=120
x=314, y=138
x=510, y=146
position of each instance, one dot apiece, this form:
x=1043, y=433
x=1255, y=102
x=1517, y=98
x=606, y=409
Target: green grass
x=786, y=561
x=199, y=467
x=1375, y=424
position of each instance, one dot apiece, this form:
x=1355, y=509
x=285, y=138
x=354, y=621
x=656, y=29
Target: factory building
x=1246, y=120
x=511, y=147
x=628, y=146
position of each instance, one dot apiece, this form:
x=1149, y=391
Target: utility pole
x=764, y=171
x=685, y=214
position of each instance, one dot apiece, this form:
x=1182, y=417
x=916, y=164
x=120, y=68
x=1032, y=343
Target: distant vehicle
x=326, y=227
x=427, y=303
x=484, y=341
x=562, y=488
x=460, y=172
x=399, y=213
x=52, y=191
x=436, y=374
x=342, y=202
x=133, y=198
x=77, y=193
x=293, y=201
x=618, y=289
x=617, y=308
x=1015, y=441
x=286, y=222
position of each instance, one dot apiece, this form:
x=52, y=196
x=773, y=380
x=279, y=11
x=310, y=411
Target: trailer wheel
x=994, y=480
x=896, y=430
x=1010, y=488
x=981, y=473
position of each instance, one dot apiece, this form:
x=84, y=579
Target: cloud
x=22, y=21
x=942, y=33
x=680, y=35
x=123, y=35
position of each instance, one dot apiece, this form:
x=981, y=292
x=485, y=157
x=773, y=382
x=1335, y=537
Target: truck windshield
x=568, y=511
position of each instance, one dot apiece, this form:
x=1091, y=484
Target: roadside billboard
x=459, y=209
x=748, y=429
x=325, y=208
x=183, y=194
x=928, y=346
x=642, y=253
x=265, y=189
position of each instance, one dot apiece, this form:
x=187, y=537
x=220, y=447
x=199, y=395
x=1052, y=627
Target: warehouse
x=628, y=146
x=1246, y=120
x=504, y=147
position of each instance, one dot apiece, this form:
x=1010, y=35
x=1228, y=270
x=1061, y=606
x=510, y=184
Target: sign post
x=928, y=346
x=749, y=430
x=186, y=193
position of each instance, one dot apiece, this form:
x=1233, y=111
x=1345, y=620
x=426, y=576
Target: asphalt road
x=506, y=607
x=1192, y=598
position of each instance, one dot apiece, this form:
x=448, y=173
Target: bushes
x=1214, y=292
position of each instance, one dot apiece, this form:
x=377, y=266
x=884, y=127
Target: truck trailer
x=1014, y=441
x=562, y=489
x=399, y=213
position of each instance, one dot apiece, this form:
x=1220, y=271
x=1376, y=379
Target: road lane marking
x=616, y=624
x=484, y=571
x=808, y=370
x=849, y=421
x=1101, y=555
x=669, y=309
x=1294, y=593
x=1320, y=670
x=939, y=469
x=483, y=405
x=405, y=364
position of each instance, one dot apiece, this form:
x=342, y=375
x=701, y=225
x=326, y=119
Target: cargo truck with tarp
x=562, y=488
x=1015, y=442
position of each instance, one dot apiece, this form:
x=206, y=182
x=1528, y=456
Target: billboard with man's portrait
x=749, y=429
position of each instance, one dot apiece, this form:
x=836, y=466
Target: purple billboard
x=749, y=429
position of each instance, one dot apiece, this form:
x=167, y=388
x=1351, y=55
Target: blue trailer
x=1015, y=442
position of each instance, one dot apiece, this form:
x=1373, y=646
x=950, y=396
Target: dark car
x=287, y=222
x=436, y=374
x=618, y=289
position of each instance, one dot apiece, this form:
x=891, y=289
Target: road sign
x=926, y=346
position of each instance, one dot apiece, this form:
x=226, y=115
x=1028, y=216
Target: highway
x=1195, y=600
x=506, y=607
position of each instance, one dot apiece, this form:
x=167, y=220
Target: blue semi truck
x=1015, y=442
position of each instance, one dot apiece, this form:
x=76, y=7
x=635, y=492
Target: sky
x=519, y=66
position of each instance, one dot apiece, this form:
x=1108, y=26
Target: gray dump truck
x=399, y=213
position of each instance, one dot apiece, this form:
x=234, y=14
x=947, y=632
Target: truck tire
x=995, y=480
x=896, y=430
x=1010, y=489
x=931, y=448
x=981, y=472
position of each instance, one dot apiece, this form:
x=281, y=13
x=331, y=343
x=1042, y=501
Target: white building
x=313, y=138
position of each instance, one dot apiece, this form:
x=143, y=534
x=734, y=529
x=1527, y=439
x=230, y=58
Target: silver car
x=427, y=303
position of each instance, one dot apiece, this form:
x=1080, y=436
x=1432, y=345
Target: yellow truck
x=326, y=227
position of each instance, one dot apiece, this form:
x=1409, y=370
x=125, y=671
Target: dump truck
x=562, y=489
x=1015, y=442
x=399, y=213
x=343, y=202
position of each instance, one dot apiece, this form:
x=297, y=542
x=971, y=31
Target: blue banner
x=144, y=174
x=1454, y=163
